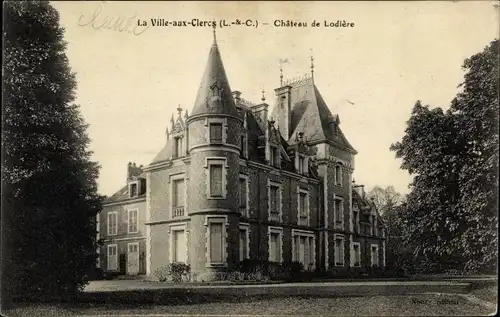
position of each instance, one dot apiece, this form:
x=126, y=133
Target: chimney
x=133, y=170
x=284, y=112
x=360, y=189
x=237, y=98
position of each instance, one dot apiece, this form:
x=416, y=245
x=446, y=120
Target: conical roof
x=214, y=94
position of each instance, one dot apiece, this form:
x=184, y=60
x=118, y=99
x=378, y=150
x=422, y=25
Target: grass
x=410, y=305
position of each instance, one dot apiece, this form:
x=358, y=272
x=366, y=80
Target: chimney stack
x=360, y=189
x=133, y=170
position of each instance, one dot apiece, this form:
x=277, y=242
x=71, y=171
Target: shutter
x=180, y=246
x=243, y=193
x=215, y=180
x=216, y=247
x=215, y=132
x=274, y=247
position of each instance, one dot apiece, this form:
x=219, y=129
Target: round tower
x=214, y=128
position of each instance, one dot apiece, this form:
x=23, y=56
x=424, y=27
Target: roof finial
x=263, y=96
x=282, y=61
x=312, y=64
x=215, y=36
x=179, y=110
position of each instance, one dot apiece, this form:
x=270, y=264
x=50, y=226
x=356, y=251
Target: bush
x=177, y=270
x=162, y=273
x=174, y=271
x=294, y=271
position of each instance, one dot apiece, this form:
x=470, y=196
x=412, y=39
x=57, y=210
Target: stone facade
x=231, y=183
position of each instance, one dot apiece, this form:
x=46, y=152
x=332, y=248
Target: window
x=338, y=175
x=339, y=250
x=356, y=221
x=216, y=243
x=179, y=252
x=301, y=164
x=274, y=202
x=112, y=257
x=178, y=199
x=303, y=208
x=244, y=241
x=215, y=132
x=243, y=195
x=274, y=158
x=303, y=248
x=132, y=221
x=356, y=254
x=178, y=147
x=243, y=146
x=374, y=254
x=216, y=172
x=133, y=190
x=216, y=248
x=339, y=212
x=216, y=180
x=112, y=223
x=275, y=255
x=375, y=231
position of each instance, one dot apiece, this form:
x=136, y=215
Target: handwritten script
x=101, y=21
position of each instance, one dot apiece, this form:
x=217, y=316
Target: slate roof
x=165, y=153
x=212, y=99
x=121, y=195
x=310, y=115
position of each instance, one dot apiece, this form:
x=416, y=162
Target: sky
x=131, y=79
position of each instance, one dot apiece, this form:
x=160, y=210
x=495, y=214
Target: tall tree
x=450, y=216
x=50, y=197
x=385, y=199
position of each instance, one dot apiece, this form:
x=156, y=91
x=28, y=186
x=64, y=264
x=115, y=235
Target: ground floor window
x=356, y=254
x=374, y=254
x=244, y=241
x=216, y=240
x=275, y=244
x=339, y=250
x=304, y=248
x=112, y=257
x=178, y=243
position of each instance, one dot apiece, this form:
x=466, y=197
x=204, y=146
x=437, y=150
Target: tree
x=385, y=199
x=50, y=198
x=450, y=217
x=390, y=204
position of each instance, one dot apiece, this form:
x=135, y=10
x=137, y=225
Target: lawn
x=408, y=305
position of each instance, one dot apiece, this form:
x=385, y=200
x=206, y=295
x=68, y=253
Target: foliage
x=48, y=180
x=172, y=271
x=450, y=217
x=261, y=269
x=385, y=199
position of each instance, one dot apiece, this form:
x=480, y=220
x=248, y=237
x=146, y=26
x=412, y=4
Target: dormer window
x=178, y=147
x=274, y=156
x=215, y=132
x=338, y=175
x=133, y=190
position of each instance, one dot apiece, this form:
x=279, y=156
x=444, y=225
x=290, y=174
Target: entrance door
x=133, y=259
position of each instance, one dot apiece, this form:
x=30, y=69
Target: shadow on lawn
x=148, y=298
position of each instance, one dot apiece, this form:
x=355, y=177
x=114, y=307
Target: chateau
x=236, y=180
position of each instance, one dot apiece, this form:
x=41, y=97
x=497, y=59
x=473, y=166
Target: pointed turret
x=214, y=94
